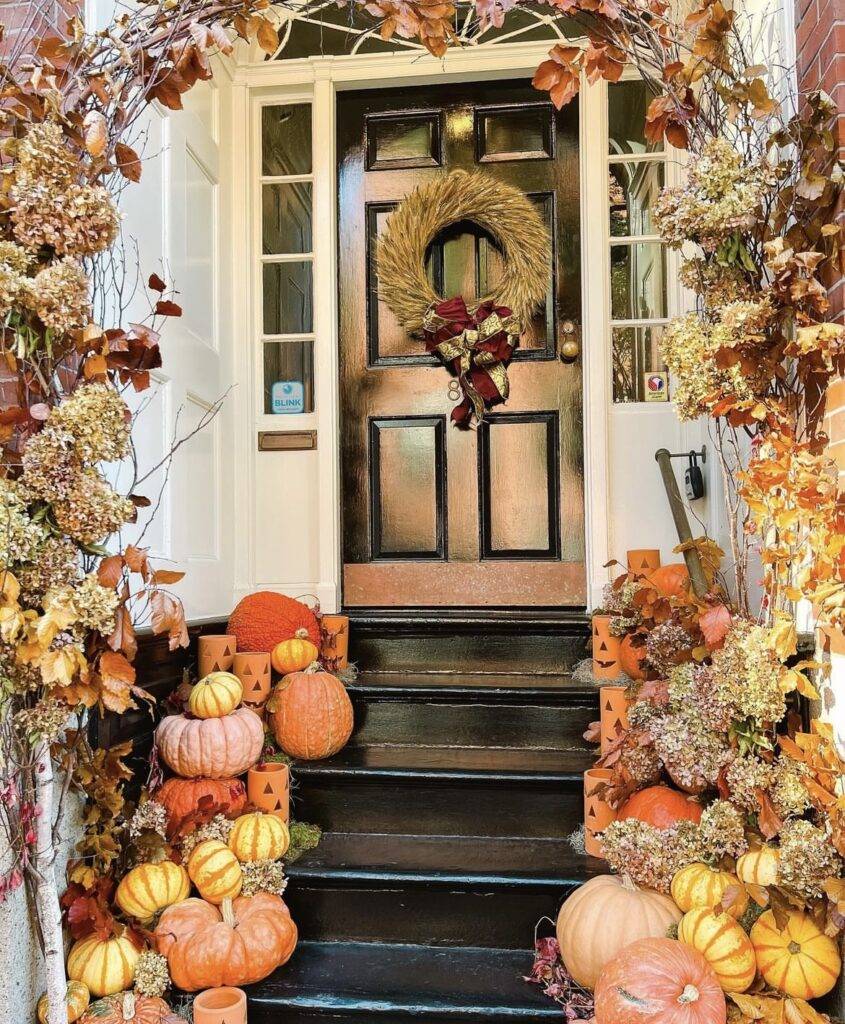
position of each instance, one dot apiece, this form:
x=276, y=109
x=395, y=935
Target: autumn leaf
x=559, y=76
x=110, y=571
x=164, y=307
x=128, y=162
x=168, y=616
x=96, y=133
x=767, y=817
x=156, y=283
x=117, y=677
x=167, y=576
x=715, y=624
x=94, y=366
x=136, y=561
x=123, y=637
x=267, y=36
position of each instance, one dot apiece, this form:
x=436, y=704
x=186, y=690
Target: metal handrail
x=679, y=514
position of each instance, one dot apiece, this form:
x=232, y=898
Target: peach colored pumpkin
x=312, y=716
x=602, y=917
x=215, y=748
x=632, y=659
x=238, y=944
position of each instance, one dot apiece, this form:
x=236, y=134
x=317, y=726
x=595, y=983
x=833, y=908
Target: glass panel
x=286, y=140
x=288, y=377
x=288, y=307
x=627, y=106
x=633, y=189
x=637, y=281
x=286, y=218
x=636, y=355
x=410, y=140
x=517, y=134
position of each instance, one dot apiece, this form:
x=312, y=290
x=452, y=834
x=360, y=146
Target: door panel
x=432, y=515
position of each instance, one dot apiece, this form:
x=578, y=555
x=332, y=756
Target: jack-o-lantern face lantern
x=605, y=649
x=642, y=561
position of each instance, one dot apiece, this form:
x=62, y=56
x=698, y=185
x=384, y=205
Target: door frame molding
x=318, y=80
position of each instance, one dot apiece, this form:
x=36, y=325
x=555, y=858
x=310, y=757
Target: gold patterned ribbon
x=477, y=347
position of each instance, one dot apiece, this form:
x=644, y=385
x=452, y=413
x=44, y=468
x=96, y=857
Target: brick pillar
x=26, y=20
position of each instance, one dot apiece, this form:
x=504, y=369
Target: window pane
x=288, y=377
x=286, y=218
x=517, y=134
x=403, y=140
x=638, y=281
x=286, y=139
x=634, y=188
x=627, y=105
x=636, y=354
x=288, y=307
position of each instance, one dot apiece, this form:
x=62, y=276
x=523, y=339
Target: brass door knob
x=569, y=349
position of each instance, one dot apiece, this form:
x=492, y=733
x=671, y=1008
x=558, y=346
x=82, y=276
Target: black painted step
x=354, y=983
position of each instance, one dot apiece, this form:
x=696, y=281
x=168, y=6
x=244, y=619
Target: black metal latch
x=693, y=477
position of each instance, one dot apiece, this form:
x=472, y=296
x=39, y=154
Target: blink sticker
x=287, y=396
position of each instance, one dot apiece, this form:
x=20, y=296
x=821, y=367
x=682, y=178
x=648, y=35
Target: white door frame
x=318, y=80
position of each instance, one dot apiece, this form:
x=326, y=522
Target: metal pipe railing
x=679, y=514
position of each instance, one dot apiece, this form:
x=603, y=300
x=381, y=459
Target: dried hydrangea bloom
x=149, y=816
x=80, y=220
x=746, y=775
x=45, y=720
x=92, y=604
x=264, y=876
x=152, y=977
x=218, y=828
x=693, y=754
x=788, y=792
x=43, y=156
x=16, y=677
x=20, y=537
x=716, y=285
x=747, y=673
x=92, y=509
x=50, y=466
x=807, y=858
x=641, y=761
x=56, y=564
x=664, y=644
x=691, y=684
x=651, y=856
x=97, y=418
x=59, y=295
x=14, y=283
x=722, y=831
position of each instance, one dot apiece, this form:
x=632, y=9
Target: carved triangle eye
x=602, y=646
x=268, y=789
x=247, y=671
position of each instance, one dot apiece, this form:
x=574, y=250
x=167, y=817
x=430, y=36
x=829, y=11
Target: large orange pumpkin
x=660, y=981
x=215, y=748
x=632, y=658
x=262, y=620
x=313, y=715
x=602, y=917
x=239, y=944
x=670, y=580
x=182, y=796
x=660, y=806
x=129, y=1008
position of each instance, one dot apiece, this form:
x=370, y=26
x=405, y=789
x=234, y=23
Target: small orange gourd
x=723, y=944
x=77, y=998
x=259, y=837
x=800, y=960
x=149, y=888
x=215, y=695
x=295, y=654
x=760, y=866
x=106, y=966
x=131, y=1008
x=699, y=885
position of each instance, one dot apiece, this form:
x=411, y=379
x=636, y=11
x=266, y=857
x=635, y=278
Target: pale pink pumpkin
x=212, y=748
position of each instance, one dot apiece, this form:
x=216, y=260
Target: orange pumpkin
x=130, y=1008
x=670, y=580
x=180, y=797
x=661, y=981
x=800, y=960
x=295, y=654
x=312, y=716
x=215, y=871
x=239, y=944
x=262, y=620
x=215, y=748
x=632, y=658
x=602, y=917
x=660, y=806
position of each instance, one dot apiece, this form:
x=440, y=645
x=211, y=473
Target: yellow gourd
x=215, y=871
x=215, y=695
x=295, y=654
x=723, y=944
x=800, y=961
x=147, y=889
x=77, y=998
x=259, y=837
x=106, y=966
x=698, y=885
x=759, y=867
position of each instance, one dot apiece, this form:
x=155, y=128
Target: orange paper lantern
x=220, y=1006
x=642, y=561
x=598, y=813
x=216, y=653
x=605, y=649
x=334, y=649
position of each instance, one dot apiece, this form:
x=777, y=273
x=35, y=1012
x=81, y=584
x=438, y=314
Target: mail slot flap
x=287, y=440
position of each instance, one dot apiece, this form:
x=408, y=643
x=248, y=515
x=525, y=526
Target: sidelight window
x=636, y=171
x=287, y=260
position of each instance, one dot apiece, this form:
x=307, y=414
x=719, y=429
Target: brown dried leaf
x=128, y=162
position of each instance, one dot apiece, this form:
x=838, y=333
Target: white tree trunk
x=47, y=893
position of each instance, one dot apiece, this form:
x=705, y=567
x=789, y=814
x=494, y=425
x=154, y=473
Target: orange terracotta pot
x=598, y=813
x=253, y=670
x=642, y=561
x=613, y=709
x=268, y=788
x=220, y=1006
x=334, y=647
x=216, y=653
x=606, y=663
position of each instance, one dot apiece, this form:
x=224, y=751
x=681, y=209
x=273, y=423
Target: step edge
x=465, y=880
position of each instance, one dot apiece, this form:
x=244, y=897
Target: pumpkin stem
x=128, y=1006
x=315, y=666
x=628, y=883
x=689, y=995
x=228, y=912
x=301, y=633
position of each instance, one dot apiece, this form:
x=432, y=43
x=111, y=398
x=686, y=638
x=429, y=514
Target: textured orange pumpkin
x=262, y=620
x=723, y=944
x=214, y=748
x=660, y=981
x=149, y=888
x=106, y=966
x=215, y=871
x=182, y=796
x=215, y=695
x=313, y=715
x=800, y=961
x=295, y=654
x=602, y=917
x=699, y=885
x=632, y=658
x=239, y=944
x=660, y=806
x=129, y=1008
x=77, y=998
x=670, y=580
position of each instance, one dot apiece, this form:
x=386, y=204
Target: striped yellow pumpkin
x=800, y=961
x=698, y=885
x=759, y=867
x=723, y=944
x=215, y=871
x=259, y=837
x=215, y=695
x=106, y=966
x=147, y=889
x=77, y=998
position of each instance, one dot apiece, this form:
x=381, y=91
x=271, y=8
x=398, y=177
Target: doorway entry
x=436, y=517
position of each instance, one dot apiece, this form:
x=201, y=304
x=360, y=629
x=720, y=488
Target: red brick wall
x=26, y=20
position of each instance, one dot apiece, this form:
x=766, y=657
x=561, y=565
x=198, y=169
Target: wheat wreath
x=510, y=217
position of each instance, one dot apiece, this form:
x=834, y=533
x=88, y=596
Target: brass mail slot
x=287, y=440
